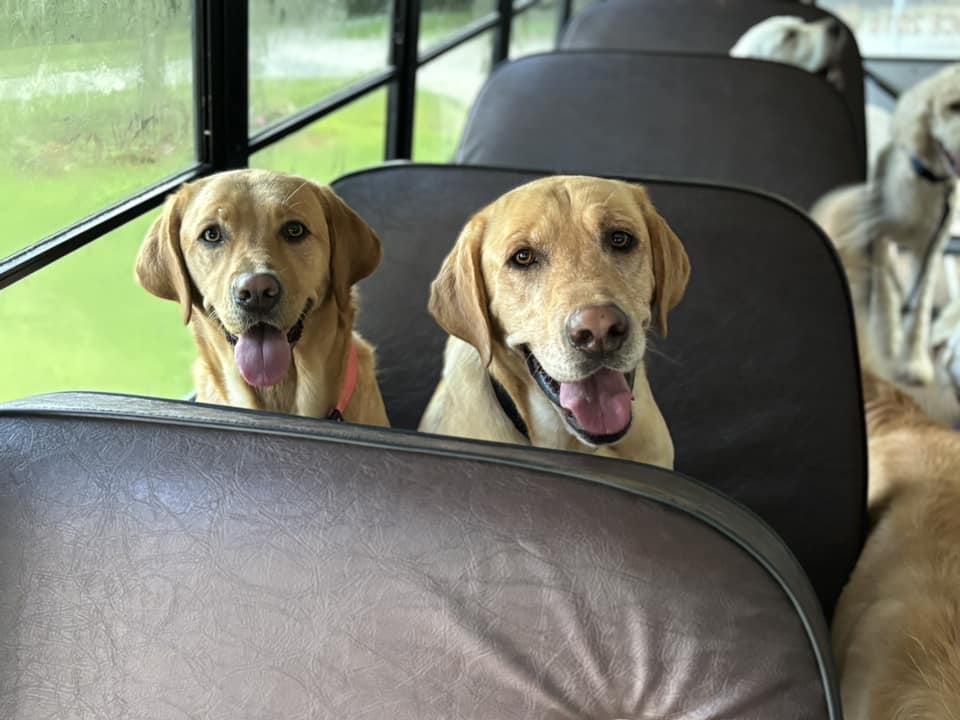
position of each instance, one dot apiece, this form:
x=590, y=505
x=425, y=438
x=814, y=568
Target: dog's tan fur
x=492, y=310
x=899, y=210
x=897, y=625
x=251, y=207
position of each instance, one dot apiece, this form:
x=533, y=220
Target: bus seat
x=758, y=379
x=747, y=122
x=705, y=26
x=166, y=559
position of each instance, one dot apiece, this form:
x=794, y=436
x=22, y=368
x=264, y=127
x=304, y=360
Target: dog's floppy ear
x=671, y=266
x=458, y=297
x=160, y=267
x=912, y=118
x=355, y=249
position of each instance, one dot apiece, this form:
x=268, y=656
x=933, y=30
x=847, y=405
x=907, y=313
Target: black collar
x=509, y=407
x=926, y=173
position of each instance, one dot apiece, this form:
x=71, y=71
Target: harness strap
x=911, y=301
x=349, y=386
x=509, y=407
x=926, y=173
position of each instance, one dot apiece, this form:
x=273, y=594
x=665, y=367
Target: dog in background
x=263, y=265
x=906, y=207
x=813, y=45
x=548, y=295
x=896, y=629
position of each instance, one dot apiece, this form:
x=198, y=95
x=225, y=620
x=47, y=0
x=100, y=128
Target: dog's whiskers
x=286, y=200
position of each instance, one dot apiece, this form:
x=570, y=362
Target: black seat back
x=704, y=26
x=200, y=561
x=747, y=122
x=758, y=379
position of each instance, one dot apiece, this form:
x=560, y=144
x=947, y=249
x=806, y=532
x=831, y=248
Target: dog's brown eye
x=523, y=257
x=295, y=230
x=211, y=235
x=620, y=240
x=954, y=106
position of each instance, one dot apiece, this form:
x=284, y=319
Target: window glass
x=905, y=28
x=83, y=323
x=446, y=88
x=95, y=104
x=304, y=50
x=578, y=6
x=442, y=18
x=351, y=138
x=535, y=30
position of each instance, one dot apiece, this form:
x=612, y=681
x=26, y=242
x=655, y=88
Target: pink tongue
x=263, y=355
x=601, y=404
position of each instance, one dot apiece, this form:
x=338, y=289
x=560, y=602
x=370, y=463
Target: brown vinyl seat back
x=171, y=560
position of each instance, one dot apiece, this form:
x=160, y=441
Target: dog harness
x=509, y=407
x=927, y=174
x=349, y=385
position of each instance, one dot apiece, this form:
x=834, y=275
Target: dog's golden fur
x=897, y=624
x=249, y=210
x=497, y=312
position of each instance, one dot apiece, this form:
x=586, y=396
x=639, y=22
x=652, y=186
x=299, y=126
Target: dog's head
x=255, y=253
x=566, y=274
x=813, y=46
x=927, y=119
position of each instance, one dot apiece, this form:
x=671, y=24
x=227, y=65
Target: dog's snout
x=597, y=328
x=834, y=28
x=256, y=292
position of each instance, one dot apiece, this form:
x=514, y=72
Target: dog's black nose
x=597, y=328
x=834, y=28
x=256, y=292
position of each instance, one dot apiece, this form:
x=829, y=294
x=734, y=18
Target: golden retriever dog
x=263, y=265
x=906, y=207
x=548, y=295
x=896, y=630
x=812, y=45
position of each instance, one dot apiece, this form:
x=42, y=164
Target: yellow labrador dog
x=263, y=266
x=812, y=45
x=548, y=295
x=896, y=630
x=906, y=207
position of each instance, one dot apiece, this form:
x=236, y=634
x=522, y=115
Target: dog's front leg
x=884, y=325
x=917, y=359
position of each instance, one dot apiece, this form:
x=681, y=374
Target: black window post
x=221, y=59
x=564, y=11
x=501, y=46
x=401, y=101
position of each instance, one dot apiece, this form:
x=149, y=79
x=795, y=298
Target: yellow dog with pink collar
x=263, y=265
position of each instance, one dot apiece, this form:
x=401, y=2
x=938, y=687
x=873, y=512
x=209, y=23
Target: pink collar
x=349, y=385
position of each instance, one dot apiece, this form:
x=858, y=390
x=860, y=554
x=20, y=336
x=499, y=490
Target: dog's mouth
x=264, y=353
x=598, y=409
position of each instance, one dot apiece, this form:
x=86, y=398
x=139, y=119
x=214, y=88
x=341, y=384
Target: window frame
x=221, y=31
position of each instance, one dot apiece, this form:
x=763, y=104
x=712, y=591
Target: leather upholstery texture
x=710, y=27
x=758, y=124
x=169, y=560
x=758, y=379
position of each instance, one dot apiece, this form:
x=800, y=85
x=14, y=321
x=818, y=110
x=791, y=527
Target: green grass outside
x=83, y=323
